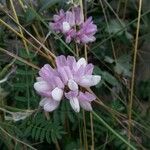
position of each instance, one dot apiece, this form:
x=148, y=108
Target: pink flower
x=71, y=75
x=87, y=32
x=72, y=25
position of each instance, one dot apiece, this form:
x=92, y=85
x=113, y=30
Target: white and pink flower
x=75, y=76
x=73, y=26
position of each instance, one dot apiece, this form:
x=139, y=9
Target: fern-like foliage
x=22, y=87
x=40, y=129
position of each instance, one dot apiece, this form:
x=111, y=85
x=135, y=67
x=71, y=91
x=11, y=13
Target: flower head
x=72, y=25
x=87, y=31
x=75, y=76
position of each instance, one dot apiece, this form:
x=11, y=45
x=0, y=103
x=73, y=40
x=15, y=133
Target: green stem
x=113, y=131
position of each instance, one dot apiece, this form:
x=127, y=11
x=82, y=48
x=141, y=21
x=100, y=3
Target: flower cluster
x=72, y=25
x=71, y=78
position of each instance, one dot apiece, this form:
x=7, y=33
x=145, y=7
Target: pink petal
x=70, y=35
x=70, y=18
x=71, y=61
x=81, y=62
x=57, y=94
x=65, y=27
x=63, y=75
x=78, y=15
x=58, y=82
x=68, y=72
x=46, y=72
x=71, y=94
x=51, y=105
x=86, y=105
x=86, y=96
x=44, y=101
x=89, y=69
x=72, y=85
x=61, y=61
x=79, y=73
x=41, y=86
x=75, y=104
x=68, y=39
x=89, y=80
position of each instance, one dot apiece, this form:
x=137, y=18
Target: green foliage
x=24, y=94
x=40, y=129
x=45, y=4
x=122, y=65
x=29, y=16
x=66, y=112
x=106, y=76
x=115, y=26
x=144, y=88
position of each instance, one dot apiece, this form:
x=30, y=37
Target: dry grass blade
x=133, y=72
x=17, y=140
x=17, y=20
x=18, y=34
x=19, y=58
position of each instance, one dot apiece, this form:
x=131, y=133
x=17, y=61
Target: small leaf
x=109, y=59
x=48, y=137
x=30, y=15
x=129, y=36
x=42, y=136
x=123, y=65
x=115, y=26
x=109, y=78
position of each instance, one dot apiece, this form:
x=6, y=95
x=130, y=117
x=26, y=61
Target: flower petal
x=57, y=94
x=51, y=105
x=58, y=83
x=71, y=62
x=63, y=74
x=86, y=105
x=71, y=94
x=68, y=39
x=86, y=39
x=39, y=79
x=72, y=85
x=79, y=73
x=61, y=61
x=89, y=80
x=65, y=27
x=86, y=81
x=86, y=32
x=81, y=62
x=68, y=72
x=78, y=15
x=41, y=86
x=46, y=72
x=44, y=101
x=86, y=96
x=89, y=69
x=96, y=79
x=70, y=18
x=75, y=104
